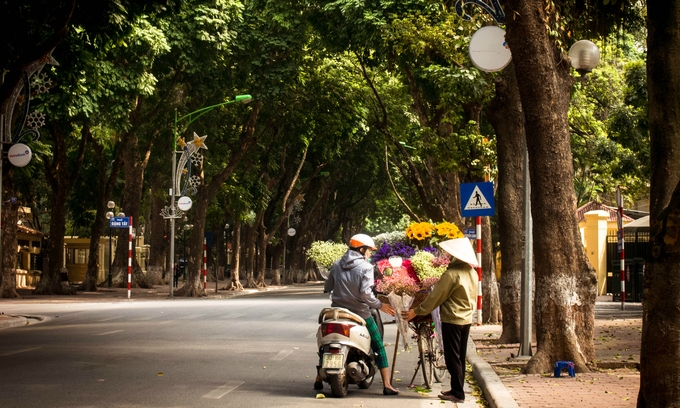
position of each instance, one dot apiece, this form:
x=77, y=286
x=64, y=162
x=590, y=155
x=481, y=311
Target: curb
x=14, y=321
x=495, y=392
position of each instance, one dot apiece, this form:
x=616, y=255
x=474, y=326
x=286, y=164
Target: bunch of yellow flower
x=420, y=231
x=448, y=230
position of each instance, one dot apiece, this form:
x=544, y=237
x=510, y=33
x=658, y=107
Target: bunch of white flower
x=390, y=237
x=325, y=253
x=422, y=263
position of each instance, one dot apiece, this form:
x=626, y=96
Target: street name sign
x=470, y=233
x=119, y=222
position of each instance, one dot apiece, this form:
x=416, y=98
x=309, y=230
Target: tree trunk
x=276, y=252
x=236, y=242
x=491, y=307
x=250, y=256
x=156, y=271
x=506, y=115
x=193, y=287
x=106, y=187
x=8, y=278
x=261, y=255
x=61, y=182
x=660, y=353
x=565, y=281
x=50, y=281
x=135, y=162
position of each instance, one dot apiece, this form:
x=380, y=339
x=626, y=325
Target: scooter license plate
x=332, y=360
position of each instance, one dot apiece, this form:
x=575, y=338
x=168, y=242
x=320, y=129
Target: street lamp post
x=110, y=205
x=171, y=212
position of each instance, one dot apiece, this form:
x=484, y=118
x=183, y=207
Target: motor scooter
x=345, y=350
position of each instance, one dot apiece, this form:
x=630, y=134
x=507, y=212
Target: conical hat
x=460, y=248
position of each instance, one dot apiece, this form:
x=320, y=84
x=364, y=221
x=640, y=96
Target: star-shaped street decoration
x=181, y=143
x=199, y=141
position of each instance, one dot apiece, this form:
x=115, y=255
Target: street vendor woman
x=351, y=281
x=455, y=293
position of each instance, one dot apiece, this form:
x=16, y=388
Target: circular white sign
x=19, y=154
x=184, y=203
x=291, y=232
x=488, y=49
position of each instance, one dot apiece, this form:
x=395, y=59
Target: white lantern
x=584, y=56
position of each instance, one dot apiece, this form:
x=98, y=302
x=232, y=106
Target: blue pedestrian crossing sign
x=476, y=199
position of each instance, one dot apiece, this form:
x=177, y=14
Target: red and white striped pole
x=129, y=258
x=478, y=233
x=619, y=202
x=205, y=266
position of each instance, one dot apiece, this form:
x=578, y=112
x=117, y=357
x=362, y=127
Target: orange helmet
x=361, y=240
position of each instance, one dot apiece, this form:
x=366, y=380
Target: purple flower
x=397, y=249
x=430, y=249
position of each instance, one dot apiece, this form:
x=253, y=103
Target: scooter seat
x=339, y=313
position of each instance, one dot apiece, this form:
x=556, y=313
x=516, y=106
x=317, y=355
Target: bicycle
x=430, y=354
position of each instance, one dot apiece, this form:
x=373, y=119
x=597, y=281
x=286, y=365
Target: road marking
x=111, y=332
x=20, y=351
x=220, y=392
x=311, y=336
x=142, y=319
x=110, y=318
x=282, y=354
x=232, y=316
x=191, y=317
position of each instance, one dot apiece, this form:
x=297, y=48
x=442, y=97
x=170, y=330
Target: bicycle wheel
x=437, y=361
x=424, y=344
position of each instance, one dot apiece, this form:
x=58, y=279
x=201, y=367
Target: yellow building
x=597, y=222
x=77, y=253
x=29, y=257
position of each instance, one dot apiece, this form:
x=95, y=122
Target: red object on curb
x=130, y=258
x=205, y=266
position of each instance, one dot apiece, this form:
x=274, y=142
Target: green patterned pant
x=377, y=343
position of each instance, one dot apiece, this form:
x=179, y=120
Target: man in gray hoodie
x=350, y=282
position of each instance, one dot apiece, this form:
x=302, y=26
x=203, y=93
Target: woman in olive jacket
x=455, y=294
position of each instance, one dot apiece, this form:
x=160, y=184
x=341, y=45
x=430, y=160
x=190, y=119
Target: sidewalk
x=615, y=383
x=158, y=292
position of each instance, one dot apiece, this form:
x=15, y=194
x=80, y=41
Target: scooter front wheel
x=339, y=385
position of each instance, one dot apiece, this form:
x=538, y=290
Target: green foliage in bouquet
x=325, y=253
x=424, y=266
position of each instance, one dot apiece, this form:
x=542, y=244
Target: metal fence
x=636, y=250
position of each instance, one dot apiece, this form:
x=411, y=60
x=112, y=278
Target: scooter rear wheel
x=339, y=385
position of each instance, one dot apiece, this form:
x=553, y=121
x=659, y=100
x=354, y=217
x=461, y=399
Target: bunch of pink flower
x=399, y=282
x=427, y=283
x=441, y=260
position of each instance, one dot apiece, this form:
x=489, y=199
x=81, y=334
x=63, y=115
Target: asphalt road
x=257, y=350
